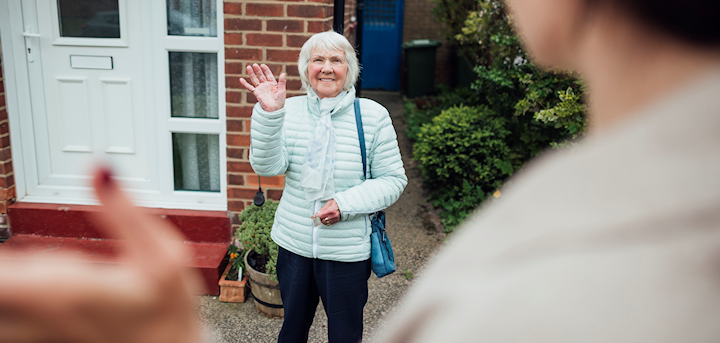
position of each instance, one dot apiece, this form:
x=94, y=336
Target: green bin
x=420, y=66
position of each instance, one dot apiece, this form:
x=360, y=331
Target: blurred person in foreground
x=313, y=140
x=617, y=240
x=146, y=297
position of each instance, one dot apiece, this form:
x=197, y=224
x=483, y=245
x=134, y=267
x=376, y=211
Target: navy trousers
x=342, y=286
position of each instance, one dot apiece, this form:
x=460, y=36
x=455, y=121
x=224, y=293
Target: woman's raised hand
x=269, y=93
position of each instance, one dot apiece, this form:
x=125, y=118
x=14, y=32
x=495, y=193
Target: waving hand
x=269, y=93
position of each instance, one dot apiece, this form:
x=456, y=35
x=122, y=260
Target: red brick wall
x=349, y=26
x=7, y=176
x=420, y=24
x=270, y=32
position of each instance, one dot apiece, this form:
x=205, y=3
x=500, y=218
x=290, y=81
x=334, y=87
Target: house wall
x=7, y=178
x=349, y=23
x=263, y=31
x=270, y=32
x=420, y=24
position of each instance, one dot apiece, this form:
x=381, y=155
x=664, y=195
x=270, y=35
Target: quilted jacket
x=278, y=143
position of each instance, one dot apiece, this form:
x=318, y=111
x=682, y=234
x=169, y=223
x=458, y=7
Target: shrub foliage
x=254, y=232
x=463, y=155
x=473, y=139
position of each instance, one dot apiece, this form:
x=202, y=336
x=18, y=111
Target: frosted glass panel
x=192, y=18
x=193, y=85
x=89, y=18
x=196, y=162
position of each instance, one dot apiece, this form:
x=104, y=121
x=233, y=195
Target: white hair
x=329, y=41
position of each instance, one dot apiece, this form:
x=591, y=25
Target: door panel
x=382, y=40
x=119, y=119
x=71, y=118
x=93, y=109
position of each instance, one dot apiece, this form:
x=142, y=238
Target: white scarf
x=317, y=171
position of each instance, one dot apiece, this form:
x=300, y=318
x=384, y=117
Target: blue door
x=382, y=40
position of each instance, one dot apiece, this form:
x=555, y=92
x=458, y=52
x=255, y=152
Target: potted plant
x=261, y=257
x=233, y=286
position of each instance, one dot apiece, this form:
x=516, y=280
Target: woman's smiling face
x=327, y=71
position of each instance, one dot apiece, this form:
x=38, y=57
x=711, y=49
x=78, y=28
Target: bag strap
x=361, y=136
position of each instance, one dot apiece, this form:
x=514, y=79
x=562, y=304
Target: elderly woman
x=313, y=140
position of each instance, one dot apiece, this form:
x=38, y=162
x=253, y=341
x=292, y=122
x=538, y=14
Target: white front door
x=100, y=92
x=96, y=94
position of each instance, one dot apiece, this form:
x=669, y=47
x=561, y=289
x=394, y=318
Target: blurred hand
x=269, y=93
x=146, y=297
x=329, y=214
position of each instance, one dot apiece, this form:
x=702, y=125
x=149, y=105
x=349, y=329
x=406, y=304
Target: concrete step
x=207, y=258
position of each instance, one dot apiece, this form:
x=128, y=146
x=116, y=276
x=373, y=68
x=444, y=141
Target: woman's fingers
x=149, y=239
x=253, y=76
x=329, y=214
x=281, y=82
x=269, y=93
x=259, y=73
x=247, y=85
x=268, y=74
x=146, y=298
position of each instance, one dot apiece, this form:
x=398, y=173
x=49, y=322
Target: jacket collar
x=313, y=102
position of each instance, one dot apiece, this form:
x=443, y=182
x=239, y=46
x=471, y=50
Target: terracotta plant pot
x=232, y=291
x=265, y=291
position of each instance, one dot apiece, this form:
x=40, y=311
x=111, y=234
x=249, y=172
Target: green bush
x=528, y=97
x=415, y=117
x=471, y=140
x=254, y=233
x=462, y=156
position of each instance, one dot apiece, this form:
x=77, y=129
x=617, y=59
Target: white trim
x=220, y=12
x=17, y=91
x=39, y=164
x=194, y=125
x=192, y=44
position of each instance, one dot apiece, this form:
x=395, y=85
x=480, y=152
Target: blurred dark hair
x=694, y=21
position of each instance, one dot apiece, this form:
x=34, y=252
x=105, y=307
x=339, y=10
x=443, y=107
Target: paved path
x=415, y=236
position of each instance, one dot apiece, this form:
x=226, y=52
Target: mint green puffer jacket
x=278, y=143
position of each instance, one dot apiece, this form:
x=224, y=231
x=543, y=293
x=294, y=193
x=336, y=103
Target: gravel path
x=415, y=232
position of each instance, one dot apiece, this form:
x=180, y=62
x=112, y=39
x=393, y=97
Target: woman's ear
x=550, y=29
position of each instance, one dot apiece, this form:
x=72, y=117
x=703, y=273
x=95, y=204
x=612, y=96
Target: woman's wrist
x=270, y=111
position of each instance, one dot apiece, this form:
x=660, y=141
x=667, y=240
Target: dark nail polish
x=105, y=176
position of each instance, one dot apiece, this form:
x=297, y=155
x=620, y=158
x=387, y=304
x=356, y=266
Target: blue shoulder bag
x=381, y=257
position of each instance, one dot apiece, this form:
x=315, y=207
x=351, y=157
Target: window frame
x=167, y=125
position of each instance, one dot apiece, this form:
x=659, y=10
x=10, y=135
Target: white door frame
x=17, y=92
x=19, y=100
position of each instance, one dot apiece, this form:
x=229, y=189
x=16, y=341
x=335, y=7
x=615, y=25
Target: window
x=192, y=18
x=195, y=126
x=90, y=19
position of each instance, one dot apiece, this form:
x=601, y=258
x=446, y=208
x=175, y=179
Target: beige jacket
x=617, y=240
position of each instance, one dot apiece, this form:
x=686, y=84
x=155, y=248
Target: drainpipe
x=359, y=41
x=339, y=16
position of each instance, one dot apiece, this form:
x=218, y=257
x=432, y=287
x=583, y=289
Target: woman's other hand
x=329, y=214
x=269, y=93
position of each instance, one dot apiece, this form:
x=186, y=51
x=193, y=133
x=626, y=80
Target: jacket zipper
x=316, y=229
